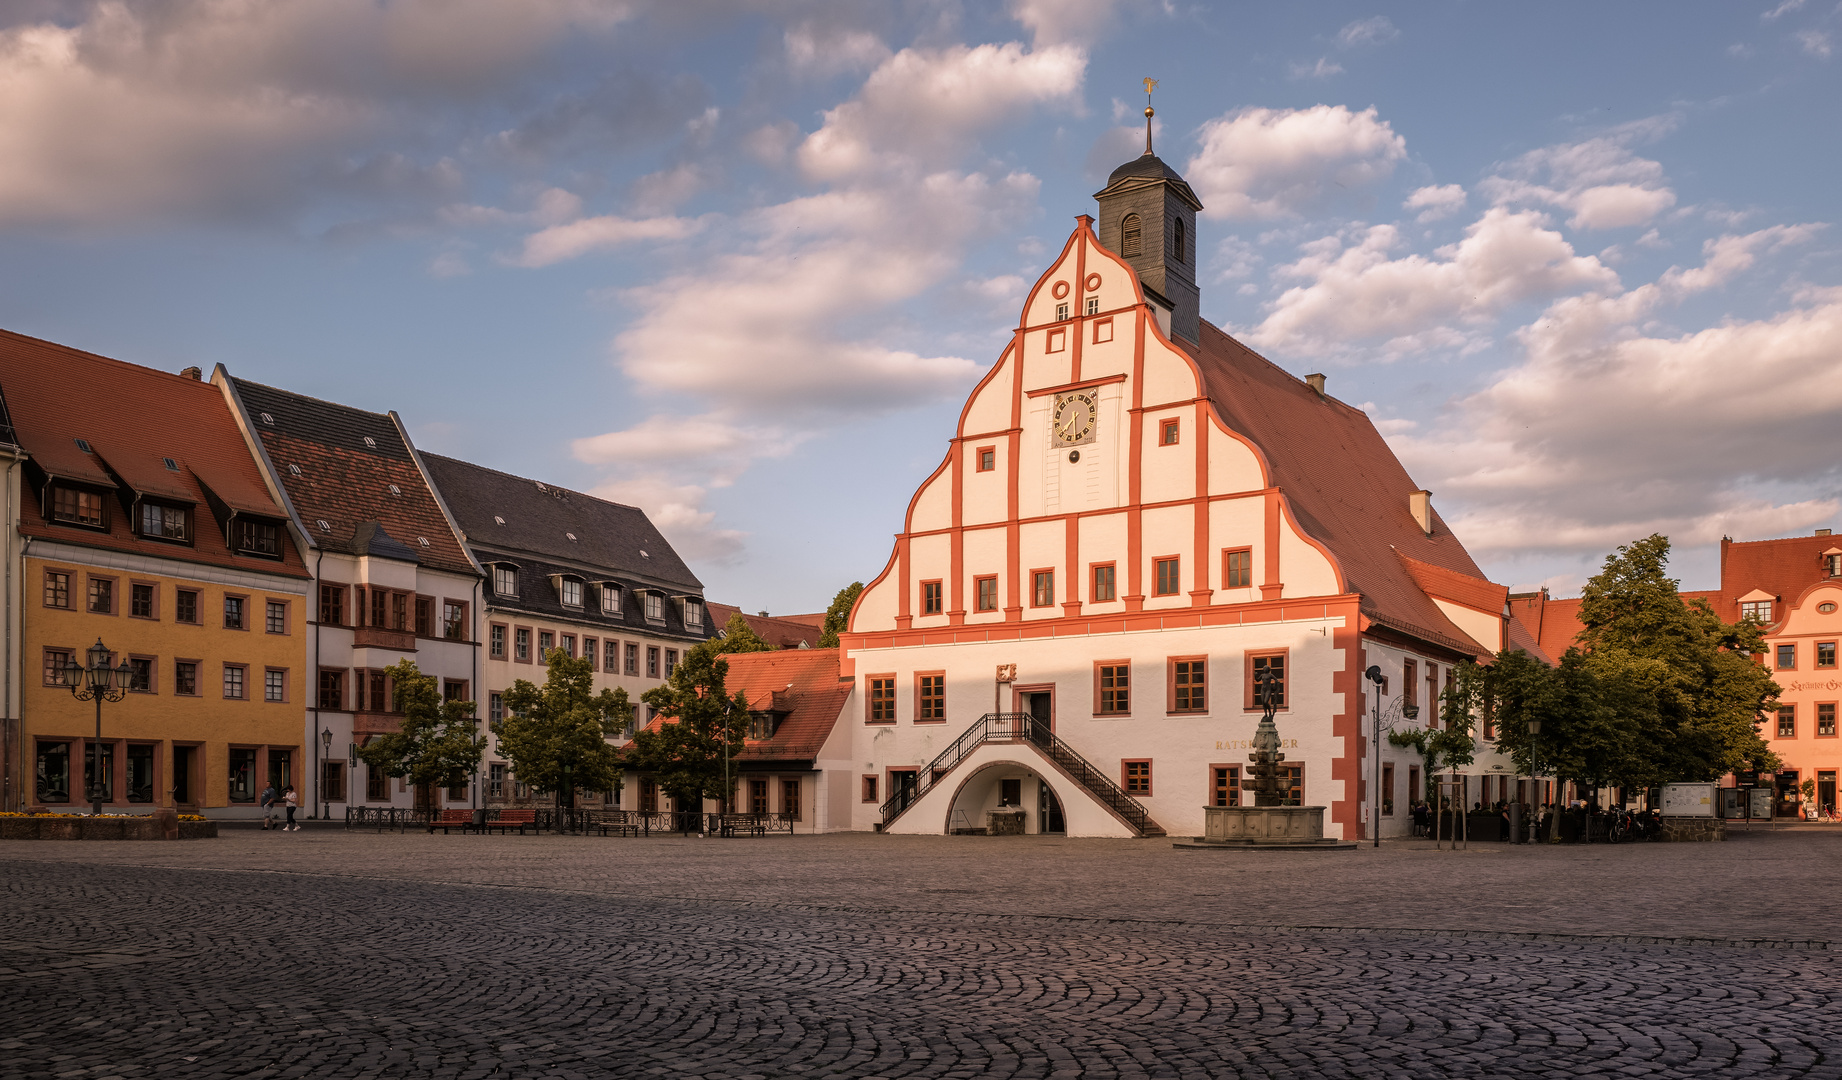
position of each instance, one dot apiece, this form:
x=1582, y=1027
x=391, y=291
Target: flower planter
x=161, y=825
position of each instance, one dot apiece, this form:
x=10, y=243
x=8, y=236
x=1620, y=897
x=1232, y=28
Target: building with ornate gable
x=1136, y=515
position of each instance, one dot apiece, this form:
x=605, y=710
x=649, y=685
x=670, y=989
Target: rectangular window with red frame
x=1224, y=785
x=930, y=697
x=1787, y=721
x=1113, y=687
x=1166, y=574
x=1042, y=588
x=1257, y=665
x=880, y=705
x=986, y=590
x=1238, y=569
x=1136, y=777
x=1104, y=590
x=931, y=598
x=1189, y=684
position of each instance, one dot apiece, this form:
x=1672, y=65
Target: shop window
x=140, y=774
x=53, y=768
x=242, y=774
x=99, y=772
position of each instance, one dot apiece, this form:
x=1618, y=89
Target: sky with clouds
x=739, y=263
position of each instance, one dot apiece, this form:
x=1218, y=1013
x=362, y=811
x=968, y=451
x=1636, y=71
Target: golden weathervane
x=1150, y=85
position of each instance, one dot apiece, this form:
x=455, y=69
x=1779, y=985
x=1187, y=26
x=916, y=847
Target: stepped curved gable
x=1131, y=491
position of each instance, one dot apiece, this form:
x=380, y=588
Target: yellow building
x=146, y=526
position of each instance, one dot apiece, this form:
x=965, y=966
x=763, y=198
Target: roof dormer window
x=258, y=538
x=655, y=607
x=610, y=598
x=76, y=507
x=504, y=580
x=693, y=613
x=162, y=522
x=569, y=590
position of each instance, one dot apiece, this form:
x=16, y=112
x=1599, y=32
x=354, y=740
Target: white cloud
x=1606, y=432
x=677, y=511
x=1784, y=8
x=1436, y=202
x=1265, y=163
x=233, y=109
x=1324, y=68
x=1359, y=292
x=1053, y=22
x=1815, y=42
x=924, y=104
x=1372, y=31
x=577, y=238
x=1600, y=180
x=822, y=48
x=449, y=264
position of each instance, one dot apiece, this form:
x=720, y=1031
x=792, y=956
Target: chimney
x=1822, y=532
x=192, y=373
x=1420, y=504
x=764, y=614
x=1316, y=382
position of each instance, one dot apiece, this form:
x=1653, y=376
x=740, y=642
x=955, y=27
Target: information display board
x=1688, y=800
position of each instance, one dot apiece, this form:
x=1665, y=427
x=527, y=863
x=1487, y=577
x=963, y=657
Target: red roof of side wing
x=1784, y=568
x=1342, y=483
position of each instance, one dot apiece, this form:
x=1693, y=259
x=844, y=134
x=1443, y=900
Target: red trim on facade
x=1254, y=612
x=1078, y=384
x=1346, y=724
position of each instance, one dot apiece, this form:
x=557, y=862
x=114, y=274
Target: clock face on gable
x=1073, y=420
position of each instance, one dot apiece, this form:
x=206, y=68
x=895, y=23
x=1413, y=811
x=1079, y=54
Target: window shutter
x=1130, y=235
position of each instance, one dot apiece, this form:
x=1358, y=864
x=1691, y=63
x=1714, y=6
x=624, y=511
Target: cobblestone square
x=325, y=953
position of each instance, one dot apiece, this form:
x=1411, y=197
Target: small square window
x=1238, y=569
x=931, y=602
x=1093, y=305
x=1137, y=777
x=1825, y=654
x=1168, y=577
x=1104, y=590
x=988, y=458
x=1787, y=658
x=1169, y=432
x=1061, y=312
x=987, y=590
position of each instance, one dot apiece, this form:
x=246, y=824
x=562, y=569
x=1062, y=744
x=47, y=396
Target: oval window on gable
x=1826, y=608
x=1130, y=235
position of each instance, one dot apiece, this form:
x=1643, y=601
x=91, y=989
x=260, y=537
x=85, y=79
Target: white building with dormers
x=1135, y=513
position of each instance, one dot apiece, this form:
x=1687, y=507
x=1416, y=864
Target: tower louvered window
x=1178, y=245
x=1130, y=239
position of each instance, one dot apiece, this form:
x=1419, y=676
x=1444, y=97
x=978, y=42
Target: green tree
x=838, y=614
x=1451, y=744
x=738, y=637
x=1686, y=694
x=437, y=741
x=555, y=735
x=700, y=734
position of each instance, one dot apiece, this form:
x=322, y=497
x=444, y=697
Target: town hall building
x=1136, y=518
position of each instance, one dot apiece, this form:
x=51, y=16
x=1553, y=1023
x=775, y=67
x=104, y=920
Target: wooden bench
x=511, y=819
x=452, y=818
x=624, y=825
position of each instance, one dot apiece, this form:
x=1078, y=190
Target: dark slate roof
x=1150, y=165
x=519, y=517
x=538, y=596
x=371, y=539
x=347, y=482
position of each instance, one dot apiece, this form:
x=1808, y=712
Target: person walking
x=268, y=806
x=292, y=801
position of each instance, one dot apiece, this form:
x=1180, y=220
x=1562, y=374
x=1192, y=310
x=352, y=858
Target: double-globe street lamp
x=98, y=682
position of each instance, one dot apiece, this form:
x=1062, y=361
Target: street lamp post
x=1374, y=675
x=98, y=682
x=326, y=753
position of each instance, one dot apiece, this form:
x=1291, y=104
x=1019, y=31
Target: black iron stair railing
x=1022, y=727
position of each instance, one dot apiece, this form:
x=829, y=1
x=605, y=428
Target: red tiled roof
x=1783, y=568
x=782, y=632
x=1450, y=585
x=802, y=684
x=1342, y=482
x=133, y=417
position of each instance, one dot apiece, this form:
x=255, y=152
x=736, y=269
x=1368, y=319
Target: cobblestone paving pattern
x=372, y=956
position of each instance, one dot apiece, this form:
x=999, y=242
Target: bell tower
x=1148, y=218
